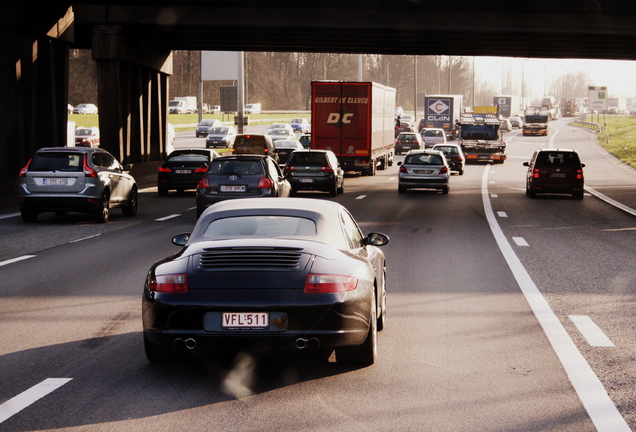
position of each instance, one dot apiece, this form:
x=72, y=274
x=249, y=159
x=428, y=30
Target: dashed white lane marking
x=85, y=238
x=590, y=331
x=28, y=397
x=520, y=241
x=165, y=218
x=361, y=197
x=588, y=387
x=502, y=214
x=494, y=196
x=9, y=215
x=13, y=260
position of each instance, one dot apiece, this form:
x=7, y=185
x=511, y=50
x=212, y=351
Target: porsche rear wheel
x=365, y=354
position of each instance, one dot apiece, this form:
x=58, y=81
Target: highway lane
x=462, y=349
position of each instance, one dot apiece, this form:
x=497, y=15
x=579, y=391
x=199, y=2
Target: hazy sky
x=619, y=76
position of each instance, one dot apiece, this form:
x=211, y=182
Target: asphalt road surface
x=505, y=314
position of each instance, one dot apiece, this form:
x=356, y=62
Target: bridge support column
x=132, y=85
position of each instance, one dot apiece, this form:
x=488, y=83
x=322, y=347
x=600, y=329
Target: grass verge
x=619, y=137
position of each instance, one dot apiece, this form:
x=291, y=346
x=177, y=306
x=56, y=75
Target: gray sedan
x=426, y=169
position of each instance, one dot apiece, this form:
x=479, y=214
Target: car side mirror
x=181, y=239
x=526, y=164
x=399, y=163
x=582, y=165
x=376, y=239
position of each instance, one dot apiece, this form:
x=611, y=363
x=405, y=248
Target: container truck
x=355, y=120
x=442, y=111
x=183, y=105
x=479, y=135
x=508, y=105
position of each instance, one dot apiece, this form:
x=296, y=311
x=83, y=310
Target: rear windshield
x=68, y=162
x=278, y=132
x=286, y=144
x=423, y=159
x=255, y=144
x=433, y=133
x=218, y=131
x=207, y=122
x=83, y=132
x=188, y=156
x=407, y=137
x=447, y=150
x=304, y=158
x=558, y=159
x=479, y=132
x=268, y=226
x=234, y=166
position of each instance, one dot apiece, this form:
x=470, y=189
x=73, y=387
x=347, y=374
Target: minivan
x=255, y=144
x=555, y=171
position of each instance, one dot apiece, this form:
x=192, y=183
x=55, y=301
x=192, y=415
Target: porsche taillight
x=325, y=283
x=172, y=283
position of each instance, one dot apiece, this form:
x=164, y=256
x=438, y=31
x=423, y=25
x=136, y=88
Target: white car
x=432, y=136
x=285, y=126
x=85, y=109
x=281, y=134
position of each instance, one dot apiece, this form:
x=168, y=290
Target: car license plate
x=302, y=180
x=226, y=188
x=558, y=175
x=55, y=181
x=407, y=147
x=183, y=171
x=423, y=171
x=247, y=320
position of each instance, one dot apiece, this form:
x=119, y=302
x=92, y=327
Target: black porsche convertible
x=273, y=274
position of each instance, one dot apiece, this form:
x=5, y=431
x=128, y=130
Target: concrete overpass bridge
x=132, y=46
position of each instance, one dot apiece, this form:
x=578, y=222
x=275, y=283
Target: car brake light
x=265, y=183
x=164, y=169
x=201, y=169
x=326, y=168
x=323, y=283
x=25, y=169
x=289, y=168
x=444, y=170
x=536, y=173
x=88, y=171
x=204, y=183
x=403, y=169
x=579, y=174
x=173, y=283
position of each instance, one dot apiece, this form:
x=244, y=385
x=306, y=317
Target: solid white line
x=551, y=144
x=608, y=200
x=520, y=241
x=589, y=388
x=590, y=331
x=85, y=238
x=13, y=260
x=172, y=216
x=28, y=397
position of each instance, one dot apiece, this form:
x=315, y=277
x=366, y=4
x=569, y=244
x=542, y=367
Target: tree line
x=281, y=80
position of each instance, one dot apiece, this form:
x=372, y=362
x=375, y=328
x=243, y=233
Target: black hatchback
x=317, y=170
x=241, y=176
x=555, y=171
x=183, y=169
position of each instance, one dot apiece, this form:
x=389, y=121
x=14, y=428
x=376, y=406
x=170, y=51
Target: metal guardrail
x=597, y=127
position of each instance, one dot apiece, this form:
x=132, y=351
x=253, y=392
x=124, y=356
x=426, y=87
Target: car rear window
x=255, y=144
x=68, y=162
x=423, y=159
x=218, y=131
x=450, y=150
x=188, y=156
x=303, y=158
x=433, y=133
x=557, y=159
x=268, y=226
x=234, y=166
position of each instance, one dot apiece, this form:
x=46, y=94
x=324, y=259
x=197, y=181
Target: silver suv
x=73, y=179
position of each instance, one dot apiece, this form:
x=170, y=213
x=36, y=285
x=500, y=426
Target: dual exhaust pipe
x=301, y=343
x=180, y=344
x=311, y=343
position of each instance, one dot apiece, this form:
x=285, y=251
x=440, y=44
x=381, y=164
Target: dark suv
x=79, y=179
x=555, y=171
x=240, y=176
x=317, y=170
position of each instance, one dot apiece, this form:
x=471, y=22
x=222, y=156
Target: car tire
x=382, y=318
x=461, y=172
x=102, y=213
x=531, y=193
x=156, y=354
x=130, y=209
x=333, y=189
x=578, y=195
x=29, y=216
x=341, y=188
x=162, y=190
x=365, y=354
x=445, y=190
x=402, y=189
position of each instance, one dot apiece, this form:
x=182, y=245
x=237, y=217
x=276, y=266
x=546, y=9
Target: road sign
x=597, y=98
